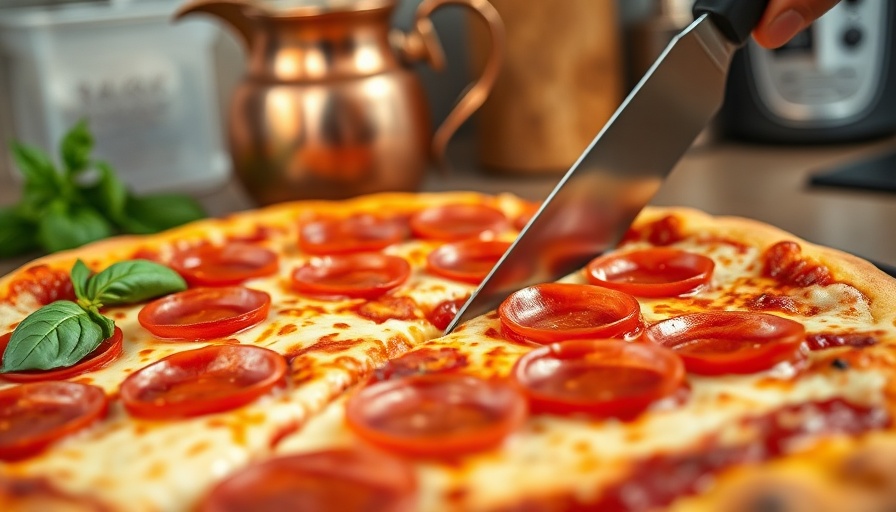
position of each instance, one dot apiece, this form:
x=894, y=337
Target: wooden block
x=560, y=82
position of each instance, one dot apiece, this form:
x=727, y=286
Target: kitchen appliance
x=623, y=167
x=145, y=87
x=330, y=106
x=834, y=82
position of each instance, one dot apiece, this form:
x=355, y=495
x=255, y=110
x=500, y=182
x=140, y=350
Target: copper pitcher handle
x=423, y=44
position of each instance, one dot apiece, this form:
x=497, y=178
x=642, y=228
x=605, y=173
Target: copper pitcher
x=329, y=107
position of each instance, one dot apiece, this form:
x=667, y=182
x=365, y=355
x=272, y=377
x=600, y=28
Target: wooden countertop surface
x=767, y=183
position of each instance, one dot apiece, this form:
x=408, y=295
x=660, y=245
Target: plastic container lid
x=40, y=13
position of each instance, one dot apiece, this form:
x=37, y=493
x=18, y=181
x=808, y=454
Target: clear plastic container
x=145, y=84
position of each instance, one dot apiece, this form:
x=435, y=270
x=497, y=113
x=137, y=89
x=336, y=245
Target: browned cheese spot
x=287, y=329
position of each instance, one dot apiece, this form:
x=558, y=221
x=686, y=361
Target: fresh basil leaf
x=108, y=194
x=106, y=324
x=55, y=336
x=76, y=147
x=131, y=281
x=36, y=199
x=80, y=275
x=16, y=234
x=65, y=227
x=151, y=214
x=36, y=166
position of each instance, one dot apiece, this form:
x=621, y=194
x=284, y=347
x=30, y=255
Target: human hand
x=784, y=19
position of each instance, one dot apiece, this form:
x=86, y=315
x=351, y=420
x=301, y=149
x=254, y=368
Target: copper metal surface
x=330, y=107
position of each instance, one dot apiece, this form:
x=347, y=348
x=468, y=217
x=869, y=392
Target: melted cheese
x=554, y=455
x=141, y=465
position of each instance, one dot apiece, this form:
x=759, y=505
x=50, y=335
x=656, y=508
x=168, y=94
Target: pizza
x=293, y=358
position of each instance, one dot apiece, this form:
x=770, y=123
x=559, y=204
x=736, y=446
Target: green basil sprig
x=80, y=201
x=64, y=332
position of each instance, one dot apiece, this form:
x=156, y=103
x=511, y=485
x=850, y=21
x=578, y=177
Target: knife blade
x=594, y=203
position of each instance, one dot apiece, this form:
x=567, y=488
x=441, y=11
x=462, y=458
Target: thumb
x=784, y=19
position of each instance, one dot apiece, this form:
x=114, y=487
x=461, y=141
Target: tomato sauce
x=283, y=432
x=821, y=341
x=768, y=302
x=495, y=334
x=444, y=312
x=424, y=360
x=327, y=344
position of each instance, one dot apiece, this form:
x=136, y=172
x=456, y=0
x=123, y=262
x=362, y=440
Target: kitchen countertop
x=767, y=183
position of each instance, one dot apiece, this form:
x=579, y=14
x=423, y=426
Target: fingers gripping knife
x=620, y=171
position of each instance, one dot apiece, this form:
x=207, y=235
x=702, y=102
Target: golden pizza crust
x=846, y=268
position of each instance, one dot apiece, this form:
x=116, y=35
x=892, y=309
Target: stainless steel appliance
x=836, y=81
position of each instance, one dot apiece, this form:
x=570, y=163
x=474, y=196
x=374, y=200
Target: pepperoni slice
x=468, y=261
x=436, y=415
x=205, y=313
x=107, y=351
x=598, y=377
x=359, y=275
x=358, y=233
x=730, y=341
x=655, y=272
x=318, y=482
x=45, y=284
x=457, y=221
x=36, y=414
x=210, y=379
x=209, y=265
x=551, y=312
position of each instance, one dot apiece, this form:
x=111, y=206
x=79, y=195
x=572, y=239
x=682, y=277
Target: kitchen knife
x=595, y=202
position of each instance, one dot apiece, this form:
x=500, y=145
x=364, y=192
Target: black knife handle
x=734, y=18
